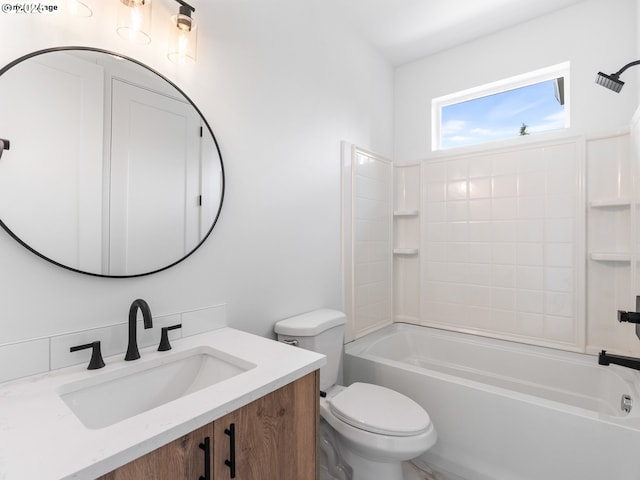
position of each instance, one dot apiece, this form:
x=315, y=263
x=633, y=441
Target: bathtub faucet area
x=605, y=358
x=631, y=317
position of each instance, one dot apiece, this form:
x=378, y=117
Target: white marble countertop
x=40, y=437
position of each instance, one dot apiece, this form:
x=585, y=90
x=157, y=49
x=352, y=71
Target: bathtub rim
x=361, y=348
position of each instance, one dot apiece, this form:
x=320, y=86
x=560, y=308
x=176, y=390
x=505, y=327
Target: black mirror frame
x=204, y=120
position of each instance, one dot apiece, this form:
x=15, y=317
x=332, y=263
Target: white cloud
x=554, y=121
x=453, y=126
x=510, y=108
x=484, y=132
x=459, y=139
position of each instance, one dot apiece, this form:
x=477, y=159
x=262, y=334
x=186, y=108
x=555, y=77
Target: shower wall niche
x=381, y=241
x=406, y=244
x=611, y=239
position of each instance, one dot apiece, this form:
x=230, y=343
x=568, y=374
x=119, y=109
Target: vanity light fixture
x=183, y=35
x=80, y=8
x=134, y=20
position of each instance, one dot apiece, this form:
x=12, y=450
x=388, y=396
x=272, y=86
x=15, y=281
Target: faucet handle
x=164, y=339
x=631, y=317
x=96, y=361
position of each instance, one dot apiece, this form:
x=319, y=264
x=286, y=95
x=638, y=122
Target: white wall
x=593, y=35
x=281, y=86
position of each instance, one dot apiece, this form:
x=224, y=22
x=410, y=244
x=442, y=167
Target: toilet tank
x=321, y=331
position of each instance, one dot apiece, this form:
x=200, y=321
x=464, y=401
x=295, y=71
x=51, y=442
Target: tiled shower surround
x=372, y=228
x=499, y=245
x=535, y=241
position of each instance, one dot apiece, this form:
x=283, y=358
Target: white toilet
x=376, y=428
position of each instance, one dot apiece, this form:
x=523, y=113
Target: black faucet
x=132, y=348
x=605, y=358
x=629, y=362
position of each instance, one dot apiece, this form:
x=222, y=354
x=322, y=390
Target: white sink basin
x=139, y=386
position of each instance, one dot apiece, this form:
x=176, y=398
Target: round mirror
x=107, y=168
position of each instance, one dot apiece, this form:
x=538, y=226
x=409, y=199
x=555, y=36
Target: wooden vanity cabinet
x=180, y=459
x=275, y=435
x=275, y=438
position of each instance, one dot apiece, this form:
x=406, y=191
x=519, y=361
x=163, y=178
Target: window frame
x=523, y=80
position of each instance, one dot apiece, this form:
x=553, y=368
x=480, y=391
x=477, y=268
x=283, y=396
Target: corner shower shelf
x=610, y=257
x=406, y=213
x=405, y=251
x=611, y=203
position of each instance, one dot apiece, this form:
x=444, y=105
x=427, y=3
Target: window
x=524, y=105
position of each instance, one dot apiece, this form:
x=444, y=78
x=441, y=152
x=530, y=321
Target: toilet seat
x=379, y=410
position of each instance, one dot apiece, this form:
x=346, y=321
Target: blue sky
x=500, y=116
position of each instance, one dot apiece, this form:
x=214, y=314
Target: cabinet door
x=180, y=459
x=275, y=436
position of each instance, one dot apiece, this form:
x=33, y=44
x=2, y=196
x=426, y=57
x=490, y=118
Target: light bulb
x=134, y=20
x=182, y=39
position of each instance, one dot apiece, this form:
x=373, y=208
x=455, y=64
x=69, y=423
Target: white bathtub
x=508, y=411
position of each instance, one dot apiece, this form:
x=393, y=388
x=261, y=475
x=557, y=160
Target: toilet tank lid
x=311, y=323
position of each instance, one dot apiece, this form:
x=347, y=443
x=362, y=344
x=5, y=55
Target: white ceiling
x=404, y=30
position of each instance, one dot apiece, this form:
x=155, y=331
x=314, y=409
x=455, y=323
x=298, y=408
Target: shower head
x=613, y=82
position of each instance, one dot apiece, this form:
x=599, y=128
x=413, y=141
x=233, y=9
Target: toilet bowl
x=376, y=428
